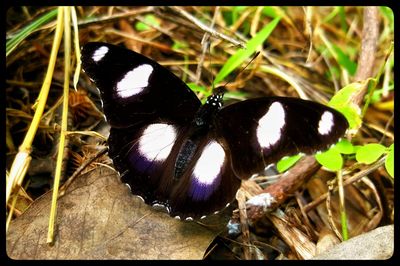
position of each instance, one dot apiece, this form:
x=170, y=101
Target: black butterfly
x=190, y=158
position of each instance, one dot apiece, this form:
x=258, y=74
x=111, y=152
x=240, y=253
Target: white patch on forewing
x=134, y=81
x=100, y=53
x=325, y=123
x=157, y=141
x=209, y=165
x=270, y=126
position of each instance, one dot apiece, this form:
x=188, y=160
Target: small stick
x=79, y=170
x=206, y=28
x=346, y=182
x=241, y=198
x=205, y=45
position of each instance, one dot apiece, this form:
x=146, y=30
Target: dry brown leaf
x=98, y=218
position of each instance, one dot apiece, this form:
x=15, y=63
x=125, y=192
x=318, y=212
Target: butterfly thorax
x=199, y=127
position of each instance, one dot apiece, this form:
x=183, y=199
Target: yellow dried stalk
x=22, y=159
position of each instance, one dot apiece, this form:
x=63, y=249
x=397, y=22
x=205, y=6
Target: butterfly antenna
x=243, y=69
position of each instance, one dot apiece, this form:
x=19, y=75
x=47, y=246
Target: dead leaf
x=99, y=218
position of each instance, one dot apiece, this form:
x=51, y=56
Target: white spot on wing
x=270, y=126
x=134, y=81
x=209, y=164
x=100, y=53
x=157, y=141
x=160, y=207
x=140, y=197
x=325, y=123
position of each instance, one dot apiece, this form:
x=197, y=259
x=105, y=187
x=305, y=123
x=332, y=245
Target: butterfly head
x=216, y=99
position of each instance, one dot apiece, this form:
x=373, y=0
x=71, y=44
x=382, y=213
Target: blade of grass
x=77, y=46
x=288, y=78
x=241, y=55
x=22, y=159
x=341, y=58
x=344, y=60
x=342, y=207
x=61, y=145
x=12, y=43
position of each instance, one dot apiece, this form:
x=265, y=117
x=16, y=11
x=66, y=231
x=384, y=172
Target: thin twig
x=206, y=28
x=80, y=169
x=103, y=19
x=348, y=181
x=370, y=36
x=240, y=196
x=330, y=216
x=205, y=46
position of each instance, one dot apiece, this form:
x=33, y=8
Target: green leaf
x=389, y=163
x=270, y=12
x=342, y=101
x=344, y=60
x=388, y=13
x=178, y=45
x=344, y=147
x=342, y=15
x=344, y=95
x=149, y=20
x=12, y=43
x=331, y=15
x=357, y=147
x=241, y=55
x=287, y=162
x=369, y=153
x=330, y=159
x=378, y=94
x=236, y=11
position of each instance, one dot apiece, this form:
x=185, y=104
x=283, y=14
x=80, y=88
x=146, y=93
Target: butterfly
x=190, y=158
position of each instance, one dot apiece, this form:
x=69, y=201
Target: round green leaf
x=389, y=163
x=287, y=162
x=344, y=147
x=330, y=159
x=370, y=153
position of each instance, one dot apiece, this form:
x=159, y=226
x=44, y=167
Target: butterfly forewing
x=261, y=131
x=136, y=89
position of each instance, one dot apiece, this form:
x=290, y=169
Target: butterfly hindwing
x=261, y=131
x=208, y=184
x=148, y=156
x=135, y=88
